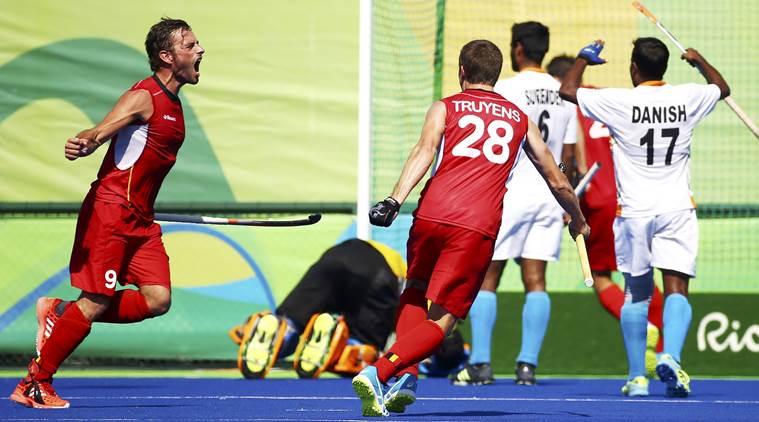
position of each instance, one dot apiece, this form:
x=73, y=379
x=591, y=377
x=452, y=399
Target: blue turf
x=332, y=399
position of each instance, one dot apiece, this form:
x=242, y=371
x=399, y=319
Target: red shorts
x=451, y=260
x=600, y=244
x=113, y=245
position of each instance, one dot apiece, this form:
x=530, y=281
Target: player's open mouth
x=197, y=65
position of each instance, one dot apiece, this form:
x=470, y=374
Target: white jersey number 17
x=648, y=141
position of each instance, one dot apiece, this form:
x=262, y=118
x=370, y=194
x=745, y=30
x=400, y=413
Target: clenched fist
x=384, y=212
x=79, y=147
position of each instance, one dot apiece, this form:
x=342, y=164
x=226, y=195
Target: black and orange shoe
x=38, y=394
x=46, y=319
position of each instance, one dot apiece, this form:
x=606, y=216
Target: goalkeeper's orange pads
x=263, y=335
x=324, y=347
x=354, y=358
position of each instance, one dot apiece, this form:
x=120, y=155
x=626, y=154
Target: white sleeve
x=602, y=105
x=703, y=98
x=570, y=136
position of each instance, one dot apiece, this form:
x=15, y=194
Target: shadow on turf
x=478, y=413
x=103, y=387
x=136, y=406
x=493, y=413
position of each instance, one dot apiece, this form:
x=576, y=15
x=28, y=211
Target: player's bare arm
x=133, y=106
x=568, y=158
x=423, y=154
x=712, y=76
x=384, y=212
x=538, y=152
x=572, y=80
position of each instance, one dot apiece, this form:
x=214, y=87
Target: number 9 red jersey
x=483, y=133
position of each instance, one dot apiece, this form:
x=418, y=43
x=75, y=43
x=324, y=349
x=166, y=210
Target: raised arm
x=573, y=78
x=133, y=106
x=580, y=158
x=712, y=76
x=417, y=164
x=538, y=152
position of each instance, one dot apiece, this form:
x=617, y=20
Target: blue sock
x=482, y=317
x=677, y=316
x=634, y=321
x=535, y=314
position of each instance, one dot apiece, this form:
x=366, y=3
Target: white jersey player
x=532, y=224
x=656, y=225
x=532, y=221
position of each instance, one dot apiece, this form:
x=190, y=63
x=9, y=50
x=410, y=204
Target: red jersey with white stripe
x=141, y=155
x=603, y=189
x=483, y=133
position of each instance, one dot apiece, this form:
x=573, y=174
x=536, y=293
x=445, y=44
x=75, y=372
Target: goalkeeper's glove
x=591, y=51
x=384, y=212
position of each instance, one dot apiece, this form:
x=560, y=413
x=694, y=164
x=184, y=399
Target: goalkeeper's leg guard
x=235, y=334
x=321, y=344
x=262, y=338
x=354, y=358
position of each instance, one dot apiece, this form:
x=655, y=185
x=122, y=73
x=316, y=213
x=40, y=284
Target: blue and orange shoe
x=401, y=394
x=670, y=373
x=368, y=388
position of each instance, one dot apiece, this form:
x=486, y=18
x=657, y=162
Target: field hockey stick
x=582, y=186
x=584, y=263
x=728, y=100
x=582, y=251
x=199, y=219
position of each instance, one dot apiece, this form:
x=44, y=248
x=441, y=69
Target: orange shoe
x=46, y=319
x=37, y=394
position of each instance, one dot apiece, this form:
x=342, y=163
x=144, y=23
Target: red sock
x=419, y=343
x=412, y=311
x=655, y=315
x=126, y=306
x=69, y=331
x=612, y=298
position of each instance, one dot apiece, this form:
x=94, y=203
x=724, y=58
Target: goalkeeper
x=342, y=311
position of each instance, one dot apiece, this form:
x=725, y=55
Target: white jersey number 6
x=465, y=149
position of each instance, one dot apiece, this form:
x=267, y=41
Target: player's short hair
x=160, y=38
x=482, y=61
x=650, y=55
x=534, y=38
x=559, y=65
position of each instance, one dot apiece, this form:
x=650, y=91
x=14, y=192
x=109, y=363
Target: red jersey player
x=476, y=134
x=599, y=205
x=116, y=239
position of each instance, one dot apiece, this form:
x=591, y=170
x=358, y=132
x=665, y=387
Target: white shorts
x=529, y=230
x=667, y=241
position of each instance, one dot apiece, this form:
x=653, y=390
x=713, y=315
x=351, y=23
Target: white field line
x=460, y=399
